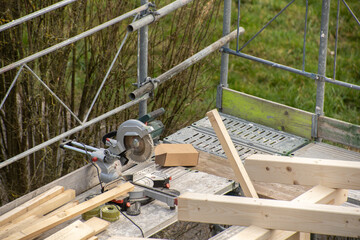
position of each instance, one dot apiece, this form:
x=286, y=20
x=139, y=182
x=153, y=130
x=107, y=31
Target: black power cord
x=97, y=169
x=142, y=233
x=102, y=190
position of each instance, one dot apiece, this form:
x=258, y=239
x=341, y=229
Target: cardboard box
x=170, y=155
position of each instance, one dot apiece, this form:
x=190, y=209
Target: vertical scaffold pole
x=224, y=56
x=320, y=89
x=143, y=61
x=324, y=28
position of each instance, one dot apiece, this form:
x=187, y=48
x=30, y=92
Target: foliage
x=282, y=42
x=31, y=115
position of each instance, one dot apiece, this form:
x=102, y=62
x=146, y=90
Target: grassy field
x=282, y=42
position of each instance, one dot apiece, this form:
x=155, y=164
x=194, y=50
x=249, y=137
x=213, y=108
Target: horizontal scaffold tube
x=148, y=87
x=35, y=14
x=73, y=39
x=290, y=69
x=158, y=14
x=72, y=131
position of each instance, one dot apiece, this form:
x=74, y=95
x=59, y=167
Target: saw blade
x=139, y=149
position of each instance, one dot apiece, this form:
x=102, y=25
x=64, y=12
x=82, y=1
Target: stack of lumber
x=311, y=212
x=52, y=208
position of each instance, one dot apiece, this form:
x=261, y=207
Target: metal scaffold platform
x=248, y=137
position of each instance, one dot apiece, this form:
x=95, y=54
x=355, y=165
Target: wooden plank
x=320, y=195
x=317, y=194
x=272, y=214
x=93, y=238
x=304, y=171
x=252, y=233
x=38, y=228
x=63, y=208
x=84, y=177
x=303, y=236
x=268, y=113
x=237, y=166
x=50, y=205
x=97, y=224
x=12, y=228
x=232, y=154
x=75, y=231
x=27, y=206
x=339, y=131
x=34, y=215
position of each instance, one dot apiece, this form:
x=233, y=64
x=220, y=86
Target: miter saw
x=134, y=142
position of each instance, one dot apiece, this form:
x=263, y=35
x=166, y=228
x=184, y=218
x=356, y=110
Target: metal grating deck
x=249, y=138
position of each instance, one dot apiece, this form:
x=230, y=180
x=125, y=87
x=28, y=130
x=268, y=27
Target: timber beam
x=304, y=171
x=271, y=214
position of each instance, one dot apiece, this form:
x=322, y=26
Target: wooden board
x=317, y=194
x=80, y=230
x=272, y=214
x=27, y=206
x=97, y=224
x=232, y=154
x=77, y=230
x=50, y=205
x=93, y=238
x=268, y=113
x=304, y=171
x=13, y=227
x=36, y=214
x=84, y=177
x=38, y=228
x=63, y=208
x=339, y=132
x=252, y=233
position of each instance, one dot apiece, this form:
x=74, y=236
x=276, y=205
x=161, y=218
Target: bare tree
x=31, y=114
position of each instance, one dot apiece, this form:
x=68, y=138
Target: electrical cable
x=97, y=170
x=142, y=233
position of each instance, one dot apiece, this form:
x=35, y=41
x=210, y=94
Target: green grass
x=282, y=43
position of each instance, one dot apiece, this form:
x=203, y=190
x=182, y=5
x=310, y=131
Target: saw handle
x=152, y=115
x=108, y=135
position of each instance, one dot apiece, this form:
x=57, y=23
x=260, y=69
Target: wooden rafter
x=304, y=171
x=271, y=214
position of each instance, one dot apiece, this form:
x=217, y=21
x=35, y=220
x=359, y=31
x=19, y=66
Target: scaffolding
x=147, y=14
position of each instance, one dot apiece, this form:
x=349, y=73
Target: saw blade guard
x=139, y=133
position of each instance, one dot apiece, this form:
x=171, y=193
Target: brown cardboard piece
x=170, y=155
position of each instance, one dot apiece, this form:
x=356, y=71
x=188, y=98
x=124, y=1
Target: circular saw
x=139, y=149
x=133, y=140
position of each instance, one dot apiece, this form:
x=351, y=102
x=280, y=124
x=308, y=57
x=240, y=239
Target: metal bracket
x=153, y=81
x=319, y=78
x=152, y=11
